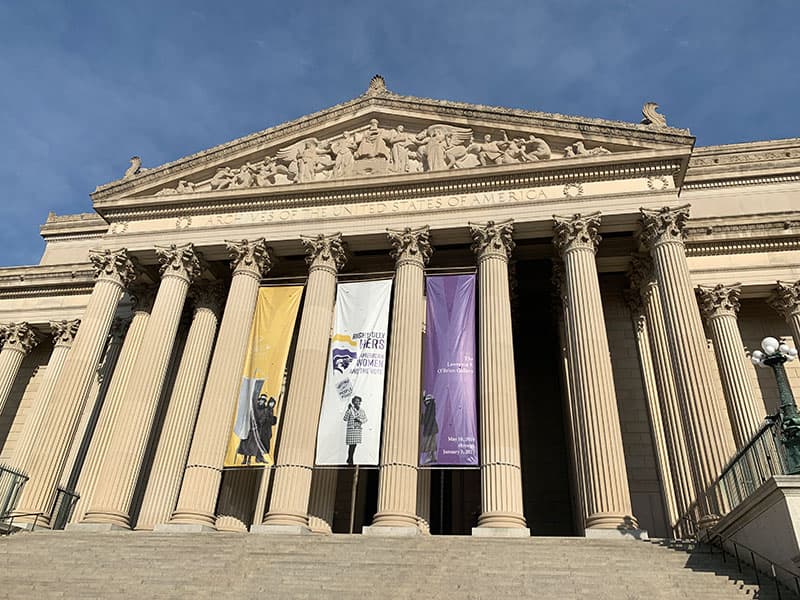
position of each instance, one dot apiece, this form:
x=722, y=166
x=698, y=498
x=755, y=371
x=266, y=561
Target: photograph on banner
x=352, y=405
x=261, y=393
x=448, y=415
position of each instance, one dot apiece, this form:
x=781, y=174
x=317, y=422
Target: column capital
x=253, y=257
x=633, y=298
x=119, y=328
x=719, y=300
x=327, y=252
x=19, y=336
x=492, y=239
x=181, y=261
x=64, y=332
x=786, y=298
x=578, y=232
x=662, y=225
x=641, y=274
x=142, y=297
x=210, y=296
x=411, y=245
x=113, y=265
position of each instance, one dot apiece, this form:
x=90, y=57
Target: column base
x=501, y=532
x=280, y=529
x=96, y=527
x=616, y=533
x=183, y=528
x=384, y=531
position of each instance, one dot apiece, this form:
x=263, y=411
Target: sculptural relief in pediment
x=375, y=150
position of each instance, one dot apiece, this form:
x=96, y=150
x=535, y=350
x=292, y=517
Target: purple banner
x=448, y=419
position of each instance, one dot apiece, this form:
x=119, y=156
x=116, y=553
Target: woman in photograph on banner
x=429, y=445
x=355, y=417
x=259, y=434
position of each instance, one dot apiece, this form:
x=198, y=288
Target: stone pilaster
x=605, y=480
x=720, y=305
x=63, y=337
x=180, y=266
x=786, y=300
x=114, y=270
x=201, y=481
x=18, y=340
x=321, y=500
x=397, y=491
x=98, y=446
x=501, y=477
x=642, y=278
x=176, y=433
x=634, y=299
x=291, y=486
x=709, y=441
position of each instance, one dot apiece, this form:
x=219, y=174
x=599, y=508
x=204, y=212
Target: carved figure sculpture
x=245, y=177
x=580, y=149
x=223, y=179
x=345, y=161
x=534, y=148
x=268, y=172
x=306, y=158
x=436, y=140
x=372, y=143
x=400, y=143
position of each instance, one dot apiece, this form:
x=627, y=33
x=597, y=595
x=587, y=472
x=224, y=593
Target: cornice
x=46, y=280
x=580, y=126
x=77, y=226
x=744, y=235
x=578, y=170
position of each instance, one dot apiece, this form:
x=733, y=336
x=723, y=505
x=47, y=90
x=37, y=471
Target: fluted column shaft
x=607, y=499
x=720, y=306
x=501, y=476
x=680, y=465
x=710, y=444
x=119, y=473
x=98, y=447
x=201, y=481
x=397, y=490
x=293, y=469
x=322, y=500
x=235, y=499
x=45, y=463
x=176, y=433
x=18, y=339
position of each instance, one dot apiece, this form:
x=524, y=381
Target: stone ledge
x=501, y=532
x=374, y=531
x=280, y=530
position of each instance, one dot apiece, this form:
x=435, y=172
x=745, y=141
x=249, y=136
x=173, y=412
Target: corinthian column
x=605, y=481
x=110, y=506
x=397, y=491
x=643, y=280
x=63, y=336
x=98, y=446
x=291, y=486
x=710, y=444
x=786, y=300
x=176, y=433
x=18, y=339
x=201, y=479
x=44, y=464
x=720, y=305
x=501, y=475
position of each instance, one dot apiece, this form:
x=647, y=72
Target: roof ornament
x=651, y=117
x=377, y=85
x=135, y=168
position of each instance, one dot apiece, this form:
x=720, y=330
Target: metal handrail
x=773, y=567
x=11, y=516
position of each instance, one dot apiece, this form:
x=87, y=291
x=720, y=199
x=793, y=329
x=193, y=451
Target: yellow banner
x=261, y=395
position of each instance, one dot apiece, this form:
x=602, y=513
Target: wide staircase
x=227, y=565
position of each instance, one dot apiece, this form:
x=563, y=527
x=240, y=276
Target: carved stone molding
x=640, y=272
x=119, y=328
x=250, y=256
x=663, y=225
x=180, y=261
x=786, y=298
x=113, y=265
x=211, y=296
x=411, y=244
x=633, y=298
x=325, y=251
x=719, y=300
x=64, y=331
x=19, y=336
x=492, y=239
x=578, y=232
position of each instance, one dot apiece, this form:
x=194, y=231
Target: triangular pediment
x=381, y=134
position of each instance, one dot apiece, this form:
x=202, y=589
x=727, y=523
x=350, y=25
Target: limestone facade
x=623, y=277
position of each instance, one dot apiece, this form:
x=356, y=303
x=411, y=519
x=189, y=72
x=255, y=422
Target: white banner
x=352, y=407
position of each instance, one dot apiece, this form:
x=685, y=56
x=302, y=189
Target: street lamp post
x=774, y=355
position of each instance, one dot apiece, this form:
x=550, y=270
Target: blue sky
x=86, y=84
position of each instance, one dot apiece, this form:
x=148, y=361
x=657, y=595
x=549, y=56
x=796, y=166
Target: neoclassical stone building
x=623, y=277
